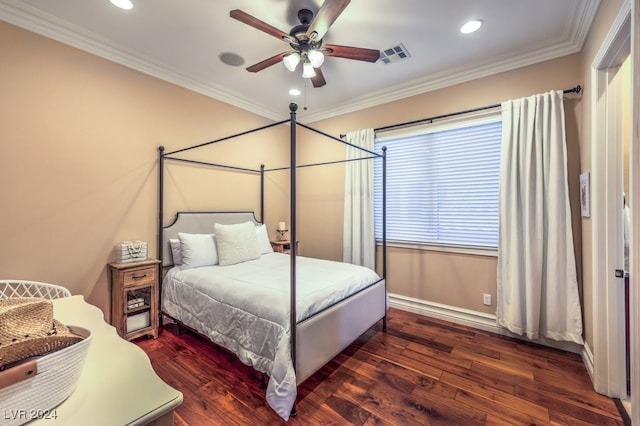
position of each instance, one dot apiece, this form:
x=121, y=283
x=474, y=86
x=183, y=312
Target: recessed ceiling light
x=122, y=4
x=471, y=26
x=294, y=92
x=231, y=59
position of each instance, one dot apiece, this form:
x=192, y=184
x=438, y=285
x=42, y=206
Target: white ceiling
x=180, y=41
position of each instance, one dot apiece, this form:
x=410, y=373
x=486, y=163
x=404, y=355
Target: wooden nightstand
x=284, y=246
x=134, y=298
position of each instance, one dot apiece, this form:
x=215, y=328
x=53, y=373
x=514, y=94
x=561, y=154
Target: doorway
x=624, y=75
x=614, y=175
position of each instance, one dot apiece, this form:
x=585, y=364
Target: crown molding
x=446, y=79
x=473, y=71
x=24, y=16
x=33, y=20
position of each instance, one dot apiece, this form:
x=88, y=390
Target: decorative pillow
x=236, y=243
x=176, y=251
x=264, y=245
x=198, y=250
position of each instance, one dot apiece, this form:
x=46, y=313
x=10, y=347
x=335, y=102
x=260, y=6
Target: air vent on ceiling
x=394, y=54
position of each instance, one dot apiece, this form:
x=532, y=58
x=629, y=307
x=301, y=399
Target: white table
x=118, y=385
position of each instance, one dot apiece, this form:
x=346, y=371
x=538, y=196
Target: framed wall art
x=585, y=210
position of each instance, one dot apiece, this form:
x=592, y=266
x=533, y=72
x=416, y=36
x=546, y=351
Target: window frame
x=451, y=123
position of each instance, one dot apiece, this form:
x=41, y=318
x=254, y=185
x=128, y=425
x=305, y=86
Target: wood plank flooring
x=421, y=371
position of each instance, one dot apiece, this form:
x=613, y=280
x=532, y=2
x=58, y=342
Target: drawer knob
x=138, y=277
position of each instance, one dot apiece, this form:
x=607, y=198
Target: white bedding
x=245, y=308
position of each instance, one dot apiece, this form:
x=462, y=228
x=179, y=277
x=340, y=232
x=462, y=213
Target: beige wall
x=451, y=279
x=78, y=165
x=460, y=280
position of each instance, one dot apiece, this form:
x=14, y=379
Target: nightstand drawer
x=139, y=276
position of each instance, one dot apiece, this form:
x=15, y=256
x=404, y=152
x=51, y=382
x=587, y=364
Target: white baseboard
x=475, y=319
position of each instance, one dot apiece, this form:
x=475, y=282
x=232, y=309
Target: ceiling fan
x=306, y=41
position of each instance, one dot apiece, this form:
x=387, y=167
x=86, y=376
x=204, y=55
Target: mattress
x=246, y=309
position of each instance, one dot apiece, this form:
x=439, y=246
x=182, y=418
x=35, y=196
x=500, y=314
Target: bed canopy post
x=160, y=199
x=262, y=193
x=384, y=229
x=160, y=222
x=384, y=212
x=292, y=172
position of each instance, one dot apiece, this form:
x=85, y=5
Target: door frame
x=634, y=189
x=609, y=367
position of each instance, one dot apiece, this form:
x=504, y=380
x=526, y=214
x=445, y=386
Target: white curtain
x=537, y=284
x=358, y=239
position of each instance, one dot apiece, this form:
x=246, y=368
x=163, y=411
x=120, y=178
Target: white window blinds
x=442, y=185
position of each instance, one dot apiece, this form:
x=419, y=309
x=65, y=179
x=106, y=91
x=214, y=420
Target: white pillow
x=264, y=245
x=198, y=250
x=236, y=243
x=176, y=251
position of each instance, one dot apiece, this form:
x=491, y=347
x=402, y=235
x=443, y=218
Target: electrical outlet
x=486, y=299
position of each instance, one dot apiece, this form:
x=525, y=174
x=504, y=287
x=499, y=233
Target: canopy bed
x=283, y=314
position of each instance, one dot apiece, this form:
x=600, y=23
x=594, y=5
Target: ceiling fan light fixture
x=306, y=41
x=316, y=58
x=307, y=70
x=291, y=61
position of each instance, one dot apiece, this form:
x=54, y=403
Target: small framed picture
x=585, y=211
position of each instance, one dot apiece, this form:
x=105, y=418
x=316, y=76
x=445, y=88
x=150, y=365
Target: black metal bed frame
x=163, y=156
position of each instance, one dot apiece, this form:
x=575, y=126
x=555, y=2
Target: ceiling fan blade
x=318, y=80
x=258, y=24
x=327, y=14
x=348, y=52
x=267, y=62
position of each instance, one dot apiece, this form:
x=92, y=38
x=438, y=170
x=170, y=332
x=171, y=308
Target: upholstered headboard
x=199, y=223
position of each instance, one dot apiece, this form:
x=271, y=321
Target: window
x=442, y=184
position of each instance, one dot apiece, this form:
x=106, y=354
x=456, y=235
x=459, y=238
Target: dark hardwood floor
x=421, y=371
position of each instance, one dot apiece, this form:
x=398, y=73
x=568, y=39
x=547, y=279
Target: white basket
x=131, y=251
x=37, y=396
x=21, y=288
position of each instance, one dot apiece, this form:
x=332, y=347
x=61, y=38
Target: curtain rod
x=576, y=90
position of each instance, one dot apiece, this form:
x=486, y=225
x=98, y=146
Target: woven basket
x=36, y=396
x=131, y=251
x=21, y=288
x=25, y=396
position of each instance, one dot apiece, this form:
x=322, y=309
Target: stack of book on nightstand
x=135, y=303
